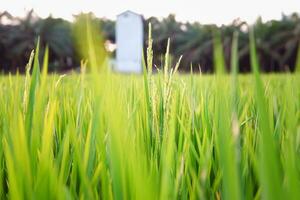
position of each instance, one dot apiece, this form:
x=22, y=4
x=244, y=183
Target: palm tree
x=56, y=33
x=195, y=44
x=19, y=40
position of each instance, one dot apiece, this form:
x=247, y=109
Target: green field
x=100, y=135
x=188, y=138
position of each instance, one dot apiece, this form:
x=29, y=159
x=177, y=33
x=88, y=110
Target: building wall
x=129, y=32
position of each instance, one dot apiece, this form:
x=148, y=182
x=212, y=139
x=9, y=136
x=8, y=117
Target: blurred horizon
x=278, y=42
x=205, y=12
x=5, y=20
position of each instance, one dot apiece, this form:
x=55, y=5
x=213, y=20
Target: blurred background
x=188, y=24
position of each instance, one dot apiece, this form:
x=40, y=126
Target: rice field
x=99, y=135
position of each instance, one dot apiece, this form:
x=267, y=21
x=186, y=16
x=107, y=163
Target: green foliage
x=297, y=67
x=89, y=40
x=100, y=135
x=277, y=42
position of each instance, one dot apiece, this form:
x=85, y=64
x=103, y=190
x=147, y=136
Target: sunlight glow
x=204, y=11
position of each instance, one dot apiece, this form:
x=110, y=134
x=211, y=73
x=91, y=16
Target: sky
x=203, y=11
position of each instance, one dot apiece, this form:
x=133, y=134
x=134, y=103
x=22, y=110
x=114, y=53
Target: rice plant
x=99, y=135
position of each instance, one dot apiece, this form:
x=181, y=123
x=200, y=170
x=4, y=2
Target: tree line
x=277, y=42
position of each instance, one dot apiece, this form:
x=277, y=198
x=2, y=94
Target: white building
x=129, y=38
